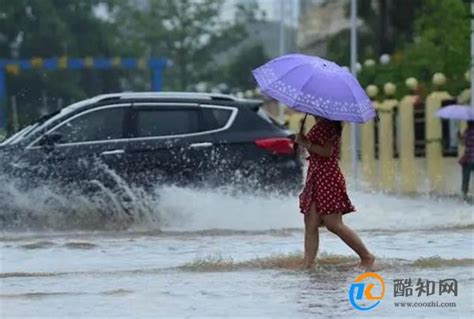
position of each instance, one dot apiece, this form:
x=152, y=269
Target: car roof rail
x=110, y=98
x=180, y=95
x=253, y=104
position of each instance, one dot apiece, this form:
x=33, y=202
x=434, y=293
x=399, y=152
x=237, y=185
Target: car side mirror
x=51, y=139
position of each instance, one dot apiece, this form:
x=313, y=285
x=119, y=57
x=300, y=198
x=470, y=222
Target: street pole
x=355, y=158
x=282, y=27
x=281, y=108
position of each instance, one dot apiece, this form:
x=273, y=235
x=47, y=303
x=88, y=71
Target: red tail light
x=279, y=145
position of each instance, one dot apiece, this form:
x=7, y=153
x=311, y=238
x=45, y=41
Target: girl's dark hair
x=338, y=126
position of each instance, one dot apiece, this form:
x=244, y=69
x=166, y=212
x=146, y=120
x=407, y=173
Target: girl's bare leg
x=334, y=224
x=311, y=237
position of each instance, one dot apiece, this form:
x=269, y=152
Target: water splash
x=55, y=207
x=115, y=205
x=326, y=263
x=108, y=202
x=294, y=261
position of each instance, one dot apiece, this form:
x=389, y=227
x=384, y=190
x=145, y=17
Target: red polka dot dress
x=325, y=185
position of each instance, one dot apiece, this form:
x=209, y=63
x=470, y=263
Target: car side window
x=216, y=118
x=166, y=122
x=98, y=125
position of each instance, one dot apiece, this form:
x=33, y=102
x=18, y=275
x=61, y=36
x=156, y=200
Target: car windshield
x=28, y=130
x=17, y=136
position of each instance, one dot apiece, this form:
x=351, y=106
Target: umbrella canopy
x=316, y=86
x=457, y=112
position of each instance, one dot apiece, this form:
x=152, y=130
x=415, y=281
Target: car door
x=216, y=168
x=90, y=145
x=170, y=143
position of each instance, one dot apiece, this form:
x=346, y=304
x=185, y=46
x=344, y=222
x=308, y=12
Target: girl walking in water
x=324, y=198
x=319, y=87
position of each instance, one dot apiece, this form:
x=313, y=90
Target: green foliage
x=390, y=23
x=238, y=72
x=53, y=28
x=387, y=26
x=339, y=47
x=441, y=43
x=188, y=32
x=436, y=40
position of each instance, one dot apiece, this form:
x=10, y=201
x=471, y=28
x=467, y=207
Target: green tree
x=436, y=40
x=54, y=28
x=441, y=43
x=389, y=22
x=386, y=25
x=190, y=33
x=238, y=73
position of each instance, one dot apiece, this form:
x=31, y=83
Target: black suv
x=157, y=137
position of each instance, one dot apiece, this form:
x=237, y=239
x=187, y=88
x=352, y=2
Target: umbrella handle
x=301, y=130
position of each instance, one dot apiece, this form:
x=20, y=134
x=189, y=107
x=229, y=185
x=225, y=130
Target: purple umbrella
x=457, y=112
x=316, y=86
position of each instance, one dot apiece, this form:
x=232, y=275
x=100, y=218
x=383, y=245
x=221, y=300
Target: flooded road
x=212, y=253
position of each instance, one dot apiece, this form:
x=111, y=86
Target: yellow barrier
x=62, y=62
x=385, y=138
x=293, y=121
x=367, y=143
x=434, y=159
x=37, y=63
x=13, y=69
x=367, y=149
x=310, y=121
x=116, y=62
x=383, y=173
x=346, y=153
x=408, y=167
x=464, y=98
x=88, y=62
x=142, y=63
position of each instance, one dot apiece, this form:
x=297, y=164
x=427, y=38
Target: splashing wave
x=290, y=262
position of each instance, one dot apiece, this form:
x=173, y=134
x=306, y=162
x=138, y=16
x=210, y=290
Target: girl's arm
x=324, y=151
